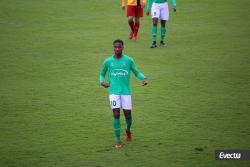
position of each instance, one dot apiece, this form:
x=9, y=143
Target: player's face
x=118, y=48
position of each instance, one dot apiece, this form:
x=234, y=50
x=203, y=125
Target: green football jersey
x=119, y=74
x=149, y=3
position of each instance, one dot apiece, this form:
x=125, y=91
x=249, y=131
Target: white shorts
x=160, y=10
x=120, y=101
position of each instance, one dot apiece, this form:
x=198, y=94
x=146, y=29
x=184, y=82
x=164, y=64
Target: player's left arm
x=137, y=73
x=174, y=5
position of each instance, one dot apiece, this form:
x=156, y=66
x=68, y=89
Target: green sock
x=129, y=123
x=154, y=32
x=117, y=128
x=163, y=33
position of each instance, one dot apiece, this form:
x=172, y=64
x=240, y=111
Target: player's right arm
x=149, y=5
x=174, y=5
x=123, y=4
x=103, y=74
x=143, y=3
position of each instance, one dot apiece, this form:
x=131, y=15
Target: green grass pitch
x=53, y=112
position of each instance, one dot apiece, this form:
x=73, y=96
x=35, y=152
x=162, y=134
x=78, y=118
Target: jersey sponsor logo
x=119, y=73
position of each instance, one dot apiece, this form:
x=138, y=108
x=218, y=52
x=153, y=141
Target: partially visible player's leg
x=117, y=127
x=126, y=104
x=131, y=24
x=155, y=12
x=128, y=116
x=154, y=32
x=164, y=18
x=136, y=28
x=163, y=32
x=138, y=15
x=130, y=15
x=115, y=103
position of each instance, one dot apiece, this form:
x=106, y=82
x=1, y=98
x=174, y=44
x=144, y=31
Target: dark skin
x=118, y=48
x=163, y=22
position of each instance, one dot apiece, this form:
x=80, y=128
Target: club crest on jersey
x=119, y=73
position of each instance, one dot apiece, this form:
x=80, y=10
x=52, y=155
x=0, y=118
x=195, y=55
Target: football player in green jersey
x=119, y=67
x=159, y=10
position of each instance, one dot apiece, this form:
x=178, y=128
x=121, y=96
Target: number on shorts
x=113, y=103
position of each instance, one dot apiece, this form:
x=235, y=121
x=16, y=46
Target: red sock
x=136, y=28
x=131, y=24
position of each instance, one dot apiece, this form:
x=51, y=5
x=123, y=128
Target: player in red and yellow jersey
x=134, y=12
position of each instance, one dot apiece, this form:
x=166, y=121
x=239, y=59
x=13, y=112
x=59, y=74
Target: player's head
x=118, y=41
x=118, y=47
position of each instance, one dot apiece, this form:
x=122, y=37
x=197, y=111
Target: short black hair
x=118, y=41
